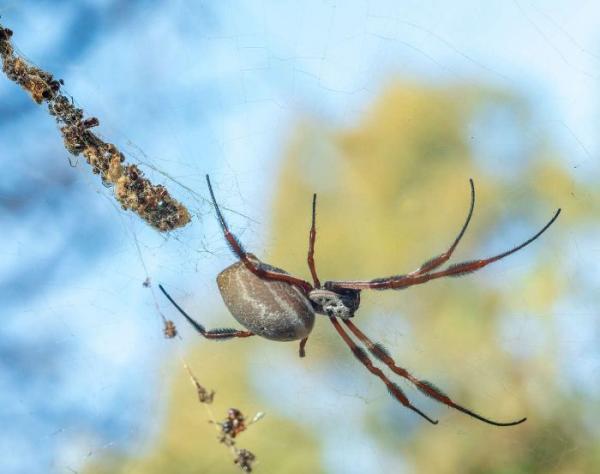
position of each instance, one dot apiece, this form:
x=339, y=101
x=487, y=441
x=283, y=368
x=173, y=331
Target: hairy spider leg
x=439, y=260
x=311, y=244
x=363, y=358
x=311, y=261
x=254, y=267
x=458, y=269
x=424, y=386
x=220, y=333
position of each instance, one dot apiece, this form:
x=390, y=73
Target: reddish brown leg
x=311, y=261
x=435, y=262
x=424, y=386
x=221, y=333
x=301, y=350
x=311, y=245
x=398, y=282
x=254, y=267
x=362, y=356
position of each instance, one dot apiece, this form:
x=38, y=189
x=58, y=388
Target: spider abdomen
x=272, y=309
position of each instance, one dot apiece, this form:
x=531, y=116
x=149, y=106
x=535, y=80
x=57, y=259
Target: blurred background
x=383, y=108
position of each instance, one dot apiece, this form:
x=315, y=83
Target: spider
x=273, y=304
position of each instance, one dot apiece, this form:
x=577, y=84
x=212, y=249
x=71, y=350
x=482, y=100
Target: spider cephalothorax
x=273, y=304
x=338, y=304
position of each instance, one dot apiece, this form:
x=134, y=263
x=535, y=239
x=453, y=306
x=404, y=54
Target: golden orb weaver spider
x=273, y=304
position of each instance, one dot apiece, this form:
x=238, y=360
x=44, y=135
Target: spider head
x=340, y=303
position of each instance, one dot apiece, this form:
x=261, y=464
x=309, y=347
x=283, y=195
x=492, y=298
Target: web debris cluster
x=228, y=429
x=133, y=191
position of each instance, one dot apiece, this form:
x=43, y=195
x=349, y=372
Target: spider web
x=189, y=88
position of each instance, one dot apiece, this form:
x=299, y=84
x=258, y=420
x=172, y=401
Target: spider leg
x=424, y=386
x=311, y=261
x=404, y=281
x=435, y=262
x=301, y=351
x=238, y=249
x=363, y=358
x=220, y=333
x=311, y=245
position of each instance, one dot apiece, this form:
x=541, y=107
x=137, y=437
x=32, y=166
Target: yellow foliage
x=393, y=192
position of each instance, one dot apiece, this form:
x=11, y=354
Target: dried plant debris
x=152, y=203
x=203, y=395
x=233, y=425
x=170, y=330
x=229, y=429
x=245, y=459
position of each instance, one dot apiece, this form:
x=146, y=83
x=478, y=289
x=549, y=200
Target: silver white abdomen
x=272, y=309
